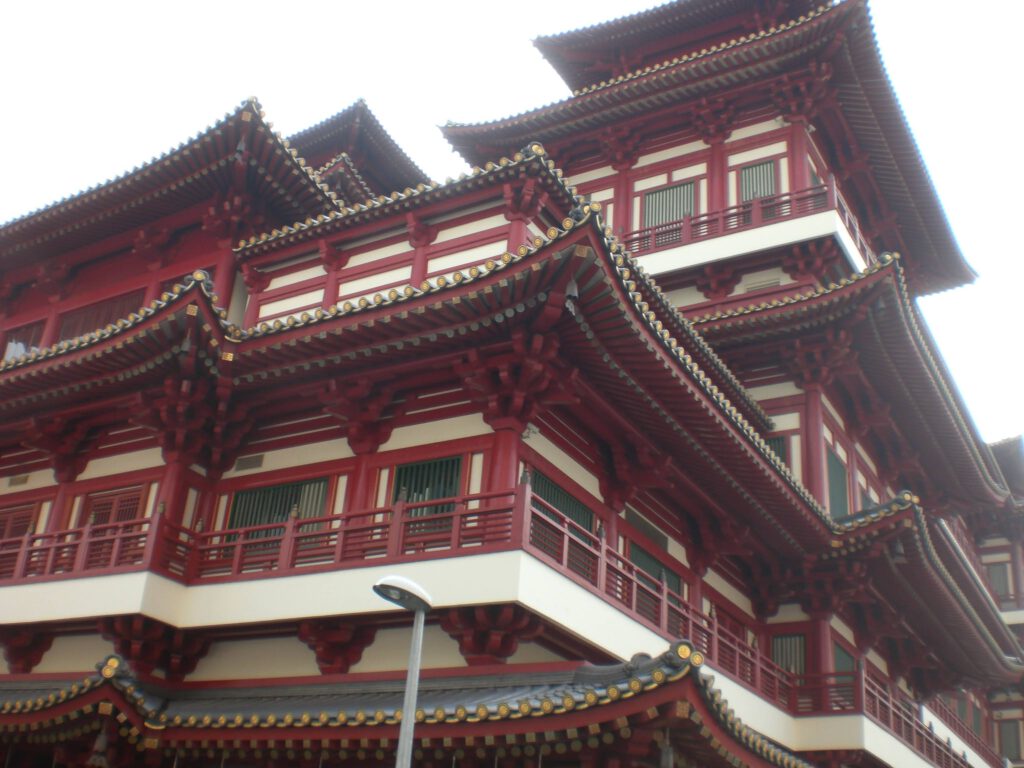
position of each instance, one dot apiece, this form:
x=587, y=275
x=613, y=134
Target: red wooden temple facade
x=650, y=376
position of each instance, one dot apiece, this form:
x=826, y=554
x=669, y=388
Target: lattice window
x=94, y=316
x=428, y=481
x=21, y=341
x=277, y=503
x=16, y=521
x=790, y=652
x=664, y=206
x=112, y=506
x=757, y=181
x=563, y=501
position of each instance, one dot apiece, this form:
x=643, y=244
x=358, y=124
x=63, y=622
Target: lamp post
x=411, y=596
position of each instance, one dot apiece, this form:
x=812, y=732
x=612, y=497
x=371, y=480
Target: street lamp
x=411, y=596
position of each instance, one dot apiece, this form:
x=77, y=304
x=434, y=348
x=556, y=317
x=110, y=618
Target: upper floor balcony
x=752, y=226
x=646, y=590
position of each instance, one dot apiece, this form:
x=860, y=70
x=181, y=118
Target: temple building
x=644, y=402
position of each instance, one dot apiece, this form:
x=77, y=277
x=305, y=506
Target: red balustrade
x=749, y=215
x=963, y=731
x=488, y=522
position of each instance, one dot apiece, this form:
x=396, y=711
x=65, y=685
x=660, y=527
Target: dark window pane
x=838, y=499
x=999, y=578
x=427, y=481
x=844, y=661
x=790, y=652
x=276, y=504
x=757, y=181
x=667, y=205
x=563, y=501
x=1009, y=739
x=650, y=565
x=16, y=521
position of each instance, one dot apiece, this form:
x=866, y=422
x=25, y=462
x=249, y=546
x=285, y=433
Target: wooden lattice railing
x=508, y=520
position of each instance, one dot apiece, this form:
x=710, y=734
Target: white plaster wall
x=746, y=241
x=788, y=612
x=263, y=657
x=531, y=653
x=763, y=278
x=74, y=653
x=658, y=180
x=511, y=577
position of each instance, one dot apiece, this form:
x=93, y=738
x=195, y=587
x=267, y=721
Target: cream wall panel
x=368, y=283
x=74, y=653
x=531, y=653
x=680, y=150
x=682, y=174
x=475, y=255
x=658, y=180
x=376, y=254
x=752, y=281
x=123, y=462
x=479, y=225
x=771, y=391
x=756, y=129
x=264, y=657
x=788, y=612
x=597, y=173
x=470, y=425
x=297, y=456
x=783, y=175
x=317, y=270
x=302, y=301
x=41, y=479
x=758, y=153
x=786, y=420
x=796, y=458
x=390, y=650
x=684, y=297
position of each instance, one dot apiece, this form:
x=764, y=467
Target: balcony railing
x=750, y=215
x=508, y=520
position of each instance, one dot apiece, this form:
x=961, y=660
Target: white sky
x=92, y=89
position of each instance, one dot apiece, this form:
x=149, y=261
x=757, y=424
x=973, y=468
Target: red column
x=362, y=487
x=224, y=277
x=504, y=464
x=718, y=176
x=814, y=443
x=799, y=170
x=172, y=491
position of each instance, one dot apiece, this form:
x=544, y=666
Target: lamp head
x=403, y=592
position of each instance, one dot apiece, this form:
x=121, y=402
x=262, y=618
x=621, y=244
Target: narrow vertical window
x=277, y=503
x=428, y=481
x=790, y=653
x=664, y=206
x=838, y=482
x=1009, y=739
